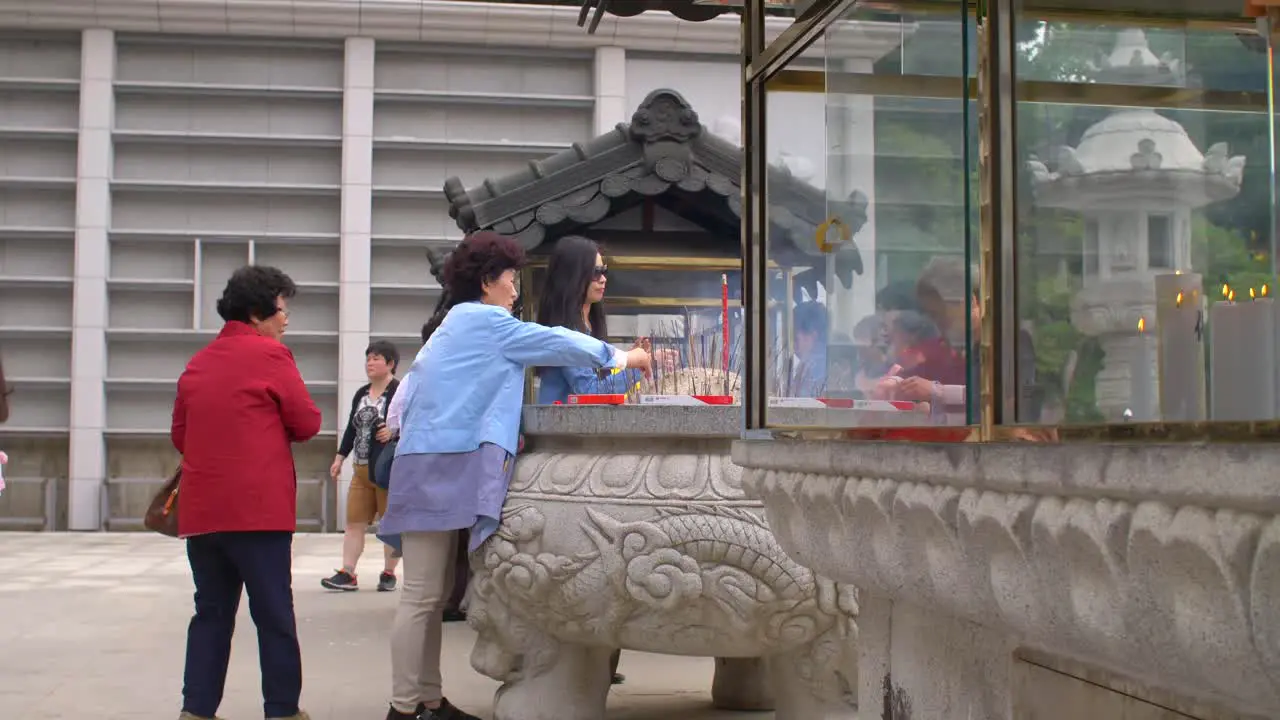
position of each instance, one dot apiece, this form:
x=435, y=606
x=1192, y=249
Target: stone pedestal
x=1154, y=566
x=628, y=528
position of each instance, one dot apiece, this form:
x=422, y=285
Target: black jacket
x=349, y=437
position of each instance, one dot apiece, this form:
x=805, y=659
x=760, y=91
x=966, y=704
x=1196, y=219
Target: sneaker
x=302, y=715
x=341, y=580
x=386, y=582
x=184, y=715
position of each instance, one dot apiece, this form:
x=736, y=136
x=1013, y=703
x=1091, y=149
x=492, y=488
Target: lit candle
x=1180, y=346
x=1142, y=376
x=1242, y=378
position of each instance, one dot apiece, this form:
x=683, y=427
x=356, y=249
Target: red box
x=715, y=399
x=612, y=399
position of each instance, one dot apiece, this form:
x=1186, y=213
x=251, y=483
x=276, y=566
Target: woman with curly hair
x=240, y=406
x=458, y=438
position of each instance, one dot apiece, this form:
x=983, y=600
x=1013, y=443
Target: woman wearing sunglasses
x=571, y=298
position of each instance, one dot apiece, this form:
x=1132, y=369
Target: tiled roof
x=667, y=154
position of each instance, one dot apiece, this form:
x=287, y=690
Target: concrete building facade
x=149, y=149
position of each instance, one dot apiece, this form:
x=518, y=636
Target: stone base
x=649, y=544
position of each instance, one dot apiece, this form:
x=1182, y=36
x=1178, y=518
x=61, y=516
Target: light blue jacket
x=556, y=384
x=466, y=386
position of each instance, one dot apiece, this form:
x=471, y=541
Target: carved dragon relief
x=699, y=579
x=1180, y=597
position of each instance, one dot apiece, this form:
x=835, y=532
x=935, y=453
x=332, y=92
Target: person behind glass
x=947, y=294
x=365, y=437
x=456, y=450
x=571, y=298
x=932, y=352
x=808, y=376
x=241, y=402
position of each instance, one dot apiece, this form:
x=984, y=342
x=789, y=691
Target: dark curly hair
x=252, y=291
x=481, y=257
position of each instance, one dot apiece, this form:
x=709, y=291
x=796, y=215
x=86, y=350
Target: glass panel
x=872, y=229
x=1146, y=191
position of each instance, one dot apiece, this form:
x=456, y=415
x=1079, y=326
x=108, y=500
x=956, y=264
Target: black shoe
x=341, y=580
x=394, y=714
x=446, y=711
x=453, y=615
x=386, y=582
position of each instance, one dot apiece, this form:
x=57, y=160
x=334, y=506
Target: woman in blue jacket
x=457, y=445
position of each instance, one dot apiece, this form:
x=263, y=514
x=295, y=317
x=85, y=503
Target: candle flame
x=1178, y=300
x=1142, y=325
x=1253, y=295
x=1226, y=290
x=1177, y=272
x=1265, y=289
x=1231, y=296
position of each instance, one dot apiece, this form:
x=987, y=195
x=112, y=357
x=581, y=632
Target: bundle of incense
x=724, y=321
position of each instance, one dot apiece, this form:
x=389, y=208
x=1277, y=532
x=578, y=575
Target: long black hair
x=570, y=273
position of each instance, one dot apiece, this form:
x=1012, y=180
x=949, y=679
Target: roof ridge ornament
x=665, y=115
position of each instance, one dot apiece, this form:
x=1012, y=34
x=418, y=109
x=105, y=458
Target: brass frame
x=1029, y=91
x=765, y=69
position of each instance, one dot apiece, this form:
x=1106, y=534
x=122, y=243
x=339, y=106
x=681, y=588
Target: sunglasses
x=600, y=271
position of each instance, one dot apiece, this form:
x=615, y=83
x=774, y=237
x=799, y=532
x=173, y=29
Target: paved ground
x=93, y=626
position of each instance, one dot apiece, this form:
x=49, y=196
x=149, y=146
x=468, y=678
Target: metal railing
x=48, y=519
x=110, y=522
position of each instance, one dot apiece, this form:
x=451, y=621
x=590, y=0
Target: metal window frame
x=995, y=96
x=997, y=232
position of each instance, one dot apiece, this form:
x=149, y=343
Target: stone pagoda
x=1136, y=178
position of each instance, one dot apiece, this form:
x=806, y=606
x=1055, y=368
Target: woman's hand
x=916, y=389
x=667, y=358
x=383, y=435
x=639, y=359
x=336, y=468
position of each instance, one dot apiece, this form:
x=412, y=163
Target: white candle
x=1180, y=341
x=1142, y=375
x=1242, y=376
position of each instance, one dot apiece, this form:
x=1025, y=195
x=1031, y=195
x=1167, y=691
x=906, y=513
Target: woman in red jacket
x=241, y=404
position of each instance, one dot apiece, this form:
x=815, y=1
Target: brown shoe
x=189, y=716
x=302, y=715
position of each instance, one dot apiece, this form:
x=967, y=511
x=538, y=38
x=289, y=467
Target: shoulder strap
x=5, y=391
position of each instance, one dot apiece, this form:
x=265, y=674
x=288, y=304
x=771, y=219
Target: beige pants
x=427, y=570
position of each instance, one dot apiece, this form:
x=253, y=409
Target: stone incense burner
x=627, y=527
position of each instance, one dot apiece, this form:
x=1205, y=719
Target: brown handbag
x=162, y=514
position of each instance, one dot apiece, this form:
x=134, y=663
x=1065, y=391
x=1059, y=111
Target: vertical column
x=851, y=127
x=610, y=88
x=89, y=297
x=357, y=230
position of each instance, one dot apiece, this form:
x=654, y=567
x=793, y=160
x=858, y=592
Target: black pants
x=461, y=572
x=222, y=564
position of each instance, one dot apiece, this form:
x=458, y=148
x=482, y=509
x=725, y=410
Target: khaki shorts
x=366, y=502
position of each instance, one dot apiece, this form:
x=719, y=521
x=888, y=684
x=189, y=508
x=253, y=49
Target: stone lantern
x=1136, y=177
